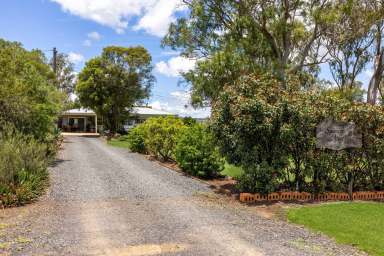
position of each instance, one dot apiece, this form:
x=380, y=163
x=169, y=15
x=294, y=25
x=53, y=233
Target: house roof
x=143, y=111
x=147, y=111
x=79, y=111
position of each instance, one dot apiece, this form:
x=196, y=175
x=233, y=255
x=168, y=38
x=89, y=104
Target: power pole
x=54, y=62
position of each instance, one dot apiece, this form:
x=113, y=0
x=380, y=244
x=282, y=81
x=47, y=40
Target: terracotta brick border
x=297, y=196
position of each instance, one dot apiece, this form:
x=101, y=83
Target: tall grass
x=23, y=167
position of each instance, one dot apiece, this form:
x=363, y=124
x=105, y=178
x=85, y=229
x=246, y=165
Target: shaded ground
x=107, y=201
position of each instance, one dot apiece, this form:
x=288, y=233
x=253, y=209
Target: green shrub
x=189, y=121
x=258, y=179
x=30, y=104
x=271, y=133
x=248, y=122
x=29, y=99
x=160, y=136
x=23, y=168
x=135, y=139
x=196, y=152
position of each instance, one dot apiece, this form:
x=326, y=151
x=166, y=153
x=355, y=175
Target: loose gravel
x=108, y=201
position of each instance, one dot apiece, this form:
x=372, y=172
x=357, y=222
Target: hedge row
x=190, y=144
x=271, y=133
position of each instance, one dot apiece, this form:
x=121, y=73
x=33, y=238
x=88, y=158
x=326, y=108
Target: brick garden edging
x=303, y=196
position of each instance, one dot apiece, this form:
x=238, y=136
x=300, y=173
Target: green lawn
x=358, y=224
x=118, y=143
x=232, y=171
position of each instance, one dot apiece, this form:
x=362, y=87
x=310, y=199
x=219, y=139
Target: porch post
x=96, y=123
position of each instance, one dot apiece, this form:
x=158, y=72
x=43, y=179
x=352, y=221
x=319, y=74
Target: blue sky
x=81, y=28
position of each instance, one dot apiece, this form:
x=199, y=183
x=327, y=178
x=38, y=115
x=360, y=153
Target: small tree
x=161, y=135
x=113, y=82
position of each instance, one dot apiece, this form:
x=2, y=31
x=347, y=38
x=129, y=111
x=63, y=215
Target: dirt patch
x=226, y=186
x=221, y=185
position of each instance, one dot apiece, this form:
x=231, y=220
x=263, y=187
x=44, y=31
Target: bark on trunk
x=350, y=186
x=374, y=83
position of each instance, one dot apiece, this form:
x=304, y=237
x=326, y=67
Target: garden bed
x=303, y=196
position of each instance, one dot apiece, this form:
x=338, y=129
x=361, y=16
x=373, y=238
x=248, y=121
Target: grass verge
x=358, y=224
x=118, y=143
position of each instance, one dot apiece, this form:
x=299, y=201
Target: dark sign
x=337, y=135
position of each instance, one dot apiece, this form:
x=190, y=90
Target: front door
x=77, y=124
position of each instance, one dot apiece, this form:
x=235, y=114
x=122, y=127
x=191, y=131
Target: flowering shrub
x=271, y=133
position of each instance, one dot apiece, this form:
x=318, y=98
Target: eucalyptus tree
x=231, y=38
x=375, y=83
x=354, y=41
x=65, y=74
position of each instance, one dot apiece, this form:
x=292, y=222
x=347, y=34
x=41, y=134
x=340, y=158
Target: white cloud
x=179, y=103
x=76, y=57
x=92, y=37
x=181, y=96
x=175, y=66
x=157, y=17
x=95, y=36
x=153, y=16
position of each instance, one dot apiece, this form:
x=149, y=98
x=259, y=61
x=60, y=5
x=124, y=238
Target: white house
x=140, y=114
x=86, y=121
x=78, y=121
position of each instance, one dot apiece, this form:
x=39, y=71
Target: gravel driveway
x=107, y=201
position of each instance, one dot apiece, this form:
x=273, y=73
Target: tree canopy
x=243, y=36
x=65, y=74
x=282, y=37
x=113, y=82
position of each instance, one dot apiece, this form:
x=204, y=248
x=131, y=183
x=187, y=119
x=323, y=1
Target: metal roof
x=144, y=111
x=79, y=111
x=147, y=111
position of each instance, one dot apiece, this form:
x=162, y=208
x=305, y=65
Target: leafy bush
x=23, y=167
x=160, y=136
x=271, y=133
x=247, y=121
x=135, y=139
x=29, y=99
x=196, y=152
x=189, y=121
x=29, y=106
x=258, y=179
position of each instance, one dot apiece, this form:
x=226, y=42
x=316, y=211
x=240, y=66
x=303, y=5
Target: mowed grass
x=357, y=224
x=232, y=171
x=118, y=143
